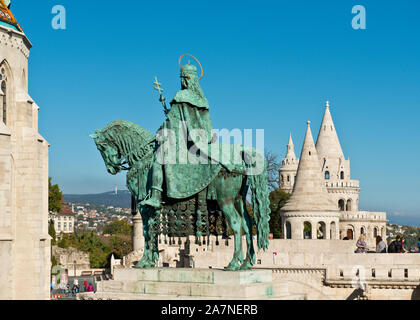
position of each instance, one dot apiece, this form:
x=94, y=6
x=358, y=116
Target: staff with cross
x=162, y=98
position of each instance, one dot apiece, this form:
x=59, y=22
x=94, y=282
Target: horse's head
x=109, y=151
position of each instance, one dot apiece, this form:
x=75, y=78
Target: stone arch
x=383, y=234
x=375, y=232
x=333, y=230
x=288, y=230
x=348, y=205
x=349, y=232
x=6, y=92
x=307, y=230
x=341, y=204
x=362, y=230
x=321, y=230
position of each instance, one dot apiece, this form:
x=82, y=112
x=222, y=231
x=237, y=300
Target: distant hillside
x=121, y=200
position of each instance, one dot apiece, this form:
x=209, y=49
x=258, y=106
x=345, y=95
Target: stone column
x=314, y=229
x=138, y=238
x=328, y=230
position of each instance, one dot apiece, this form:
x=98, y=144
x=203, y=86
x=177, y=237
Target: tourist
x=361, y=244
x=395, y=246
x=90, y=287
x=85, y=285
x=380, y=245
x=403, y=248
x=418, y=246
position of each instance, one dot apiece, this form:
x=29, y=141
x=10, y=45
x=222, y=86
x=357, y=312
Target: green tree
x=54, y=197
x=118, y=227
x=121, y=245
x=278, y=199
x=64, y=241
x=51, y=232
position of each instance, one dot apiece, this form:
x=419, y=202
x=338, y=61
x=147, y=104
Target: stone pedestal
x=138, y=238
x=172, y=283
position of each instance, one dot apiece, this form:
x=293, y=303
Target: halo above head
x=189, y=55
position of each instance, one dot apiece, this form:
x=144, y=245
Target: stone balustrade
x=342, y=184
x=362, y=215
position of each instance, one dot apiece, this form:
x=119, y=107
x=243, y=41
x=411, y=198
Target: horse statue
x=195, y=197
x=125, y=146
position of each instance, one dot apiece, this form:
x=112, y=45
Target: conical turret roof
x=309, y=192
x=7, y=19
x=327, y=144
x=290, y=148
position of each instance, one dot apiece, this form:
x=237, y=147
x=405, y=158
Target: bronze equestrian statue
x=183, y=182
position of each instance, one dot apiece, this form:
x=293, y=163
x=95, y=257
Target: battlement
x=342, y=184
x=363, y=215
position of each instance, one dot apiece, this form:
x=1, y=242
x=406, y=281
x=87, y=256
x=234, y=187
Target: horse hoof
x=232, y=267
x=246, y=266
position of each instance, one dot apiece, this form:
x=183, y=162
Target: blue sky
x=268, y=65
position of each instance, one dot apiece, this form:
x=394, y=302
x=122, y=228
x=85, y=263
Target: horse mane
x=132, y=140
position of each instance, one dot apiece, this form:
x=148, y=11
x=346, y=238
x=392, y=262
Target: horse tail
x=260, y=205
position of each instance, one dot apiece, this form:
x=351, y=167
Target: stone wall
x=66, y=258
x=319, y=269
x=24, y=240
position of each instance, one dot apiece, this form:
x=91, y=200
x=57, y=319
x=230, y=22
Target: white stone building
x=24, y=239
x=64, y=221
x=324, y=203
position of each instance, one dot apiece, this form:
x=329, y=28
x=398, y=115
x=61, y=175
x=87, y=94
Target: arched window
x=348, y=205
x=282, y=178
x=288, y=178
x=321, y=230
x=342, y=175
x=341, y=204
x=327, y=175
x=375, y=232
x=3, y=93
x=288, y=230
x=307, y=230
x=362, y=230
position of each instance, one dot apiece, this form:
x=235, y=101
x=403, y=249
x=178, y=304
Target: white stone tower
x=287, y=172
x=335, y=168
x=309, y=206
x=24, y=239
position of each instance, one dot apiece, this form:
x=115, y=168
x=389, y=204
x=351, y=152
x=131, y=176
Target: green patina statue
x=184, y=183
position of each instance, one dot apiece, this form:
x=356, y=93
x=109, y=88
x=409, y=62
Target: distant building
x=64, y=221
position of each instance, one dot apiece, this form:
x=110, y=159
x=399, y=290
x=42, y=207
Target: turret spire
x=309, y=192
x=328, y=145
x=290, y=149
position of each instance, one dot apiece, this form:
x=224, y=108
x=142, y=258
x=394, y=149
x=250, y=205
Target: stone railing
x=363, y=215
x=342, y=184
x=381, y=276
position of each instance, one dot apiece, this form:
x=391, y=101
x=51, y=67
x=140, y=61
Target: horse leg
x=247, y=226
x=151, y=252
x=234, y=221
